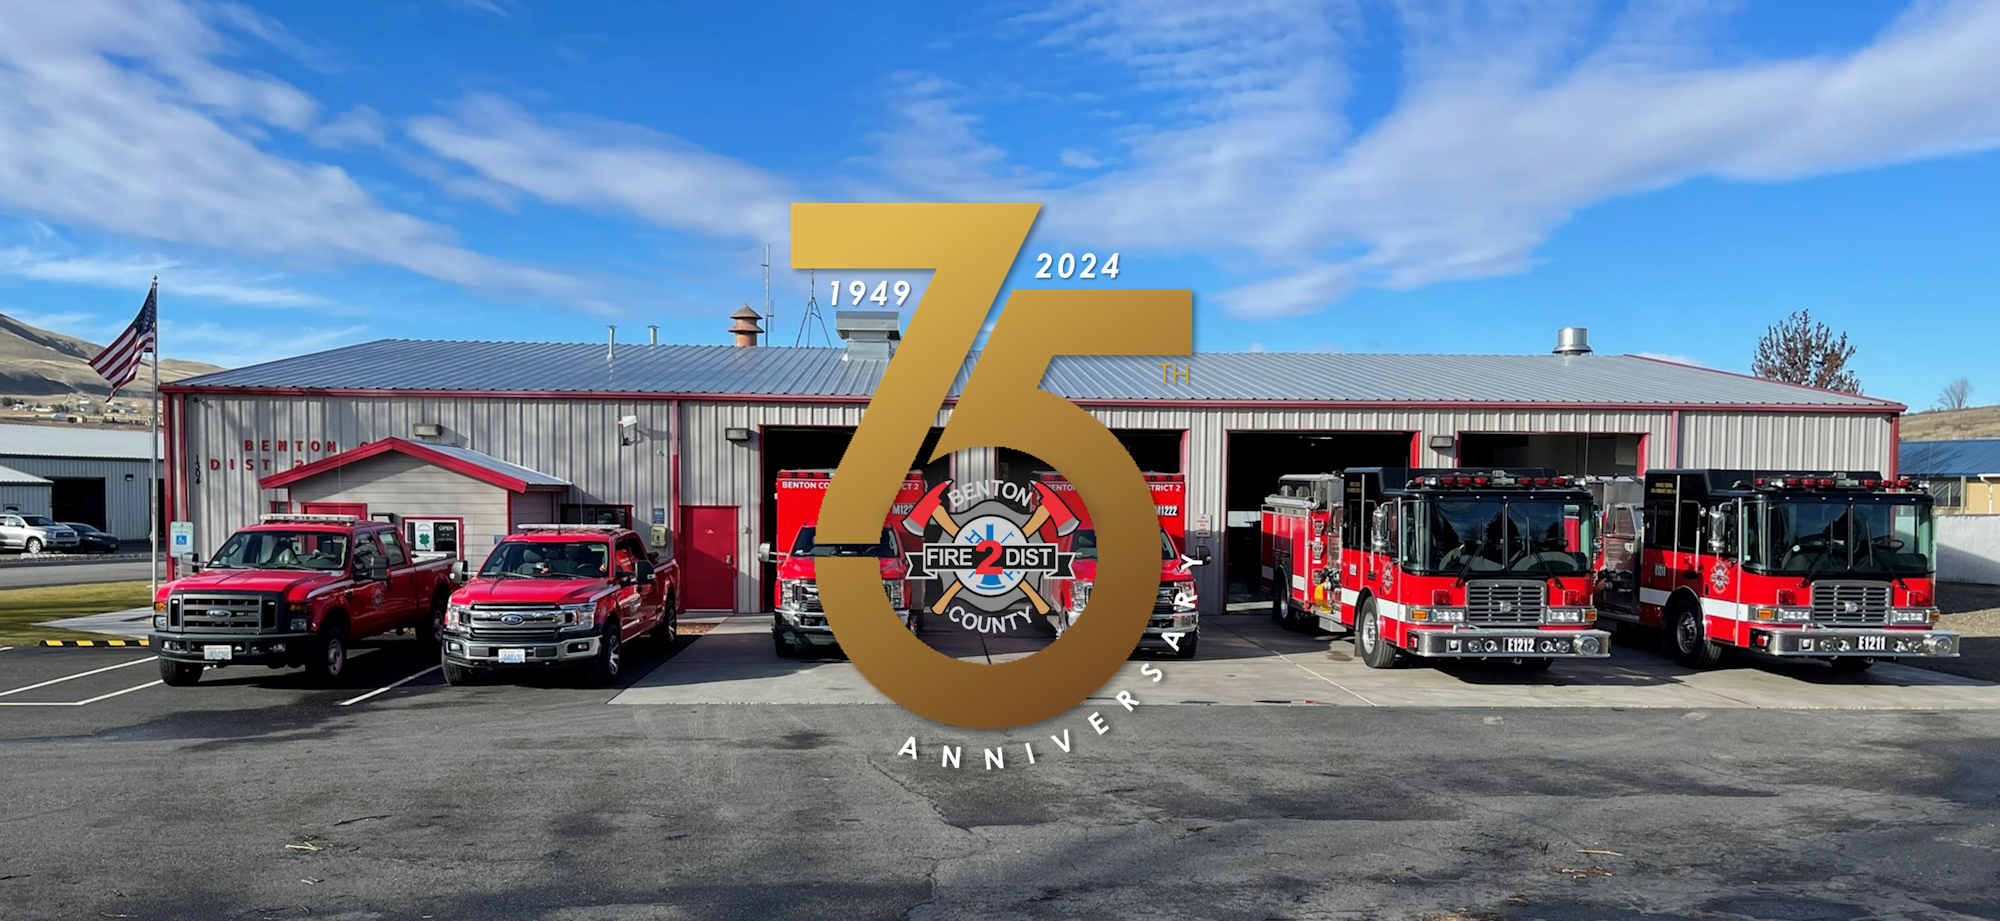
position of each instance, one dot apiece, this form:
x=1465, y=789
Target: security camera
x=627, y=421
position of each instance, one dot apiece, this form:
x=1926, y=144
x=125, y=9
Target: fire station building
x=683, y=442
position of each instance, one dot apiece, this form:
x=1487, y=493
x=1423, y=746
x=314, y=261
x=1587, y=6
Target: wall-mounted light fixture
x=128, y=478
x=427, y=430
x=736, y=434
x=628, y=430
x=1442, y=442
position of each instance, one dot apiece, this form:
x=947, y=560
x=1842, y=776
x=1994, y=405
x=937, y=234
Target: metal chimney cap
x=1572, y=340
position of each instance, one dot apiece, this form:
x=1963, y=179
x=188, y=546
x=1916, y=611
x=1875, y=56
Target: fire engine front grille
x=1504, y=604
x=222, y=612
x=1850, y=604
x=536, y=622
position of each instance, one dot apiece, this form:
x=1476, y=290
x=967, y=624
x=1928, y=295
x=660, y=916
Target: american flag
x=119, y=363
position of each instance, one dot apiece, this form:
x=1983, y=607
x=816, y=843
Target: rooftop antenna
x=770, y=315
x=812, y=313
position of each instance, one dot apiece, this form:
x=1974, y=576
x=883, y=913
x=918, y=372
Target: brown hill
x=1944, y=424
x=37, y=362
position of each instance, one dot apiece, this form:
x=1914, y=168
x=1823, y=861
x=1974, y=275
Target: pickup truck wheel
x=1187, y=646
x=603, y=671
x=1376, y=652
x=1851, y=664
x=1688, y=639
x=34, y=545
x=179, y=674
x=458, y=675
x=433, y=631
x=783, y=647
x=329, y=656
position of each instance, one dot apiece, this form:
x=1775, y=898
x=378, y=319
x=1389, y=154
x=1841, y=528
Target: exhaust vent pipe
x=1572, y=340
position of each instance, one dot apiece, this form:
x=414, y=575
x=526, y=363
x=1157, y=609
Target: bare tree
x=1956, y=395
x=1801, y=351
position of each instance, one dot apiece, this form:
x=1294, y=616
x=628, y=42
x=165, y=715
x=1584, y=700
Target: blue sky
x=1365, y=176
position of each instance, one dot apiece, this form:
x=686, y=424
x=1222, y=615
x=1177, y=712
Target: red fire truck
x=1300, y=551
x=798, y=622
x=1831, y=565
x=1459, y=563
x=1175, y=607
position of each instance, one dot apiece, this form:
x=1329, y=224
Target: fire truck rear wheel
x=1281, y=590
x=1689, y=639
x=1376, y=652
x=1851, y=664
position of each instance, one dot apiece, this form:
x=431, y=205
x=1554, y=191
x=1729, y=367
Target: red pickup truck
x=296, y=590
x=558, y=595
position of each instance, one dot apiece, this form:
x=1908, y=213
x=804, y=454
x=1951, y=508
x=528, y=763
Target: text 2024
x=1066, y=266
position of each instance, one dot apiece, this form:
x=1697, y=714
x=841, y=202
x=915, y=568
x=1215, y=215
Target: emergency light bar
x=569, y=527
x=284, y=517
x=1438, y=481
x=1829, y=482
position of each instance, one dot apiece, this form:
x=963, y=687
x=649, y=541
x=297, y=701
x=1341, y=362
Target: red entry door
x=357, y=509
x=708, y=535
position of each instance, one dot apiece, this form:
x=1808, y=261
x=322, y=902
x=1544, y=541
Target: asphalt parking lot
x=1271, y=777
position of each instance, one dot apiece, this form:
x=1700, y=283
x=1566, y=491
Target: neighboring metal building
x=1963, y=473
x=23, y=492
x=666, y=434
x=96, y=476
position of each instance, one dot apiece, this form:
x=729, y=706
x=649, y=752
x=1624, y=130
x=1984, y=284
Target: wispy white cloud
x=1676, y=359
x=234, y=346
x=1080, y=159
x=132, y=273
x=115, y=116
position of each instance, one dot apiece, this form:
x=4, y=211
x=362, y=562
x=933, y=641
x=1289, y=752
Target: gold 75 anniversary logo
x=970, y=248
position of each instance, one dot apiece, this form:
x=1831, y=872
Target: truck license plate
x=513, y=655
x=217, y=653
x=1520, y=644
x=1873, y=643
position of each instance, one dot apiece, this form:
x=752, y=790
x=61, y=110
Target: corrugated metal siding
x=125, y=514
x=489, y=367
x=412, y=488
x=1785, y=440
x=576, y=440
x=25, y=498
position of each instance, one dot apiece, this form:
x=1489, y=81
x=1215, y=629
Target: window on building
x=620, y=515
x=1949, y=494
x=431, y=537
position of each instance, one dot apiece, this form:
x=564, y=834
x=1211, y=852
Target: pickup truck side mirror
x=764, y=554
x=458, y=571
x=378, y=570
x=1203, y=554
x=644, y=573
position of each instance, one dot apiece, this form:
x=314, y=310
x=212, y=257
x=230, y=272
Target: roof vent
x=869, y=333
x=745, y=327
x=1573, y=340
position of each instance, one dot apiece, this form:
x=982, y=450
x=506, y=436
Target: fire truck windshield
x=1085, y=545
x=282, y=550
x=1819, y=538
x=1547, y=537
x=803, y=546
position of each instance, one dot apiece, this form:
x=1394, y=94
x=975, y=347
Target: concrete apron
x=1248, y=661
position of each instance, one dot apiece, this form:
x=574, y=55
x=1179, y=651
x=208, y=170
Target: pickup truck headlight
x=1569, y=615
x=792, y=595
x=1079, y=594
x=895, y=589
x=579, y=616
x=159, y=621
x=457, y=615
x=301, y=624
x=1918, y=616
x=1438, y=615
x=1186, y=599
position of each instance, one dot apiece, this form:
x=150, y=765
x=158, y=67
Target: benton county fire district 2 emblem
x=1718, y=576
x=992, y=568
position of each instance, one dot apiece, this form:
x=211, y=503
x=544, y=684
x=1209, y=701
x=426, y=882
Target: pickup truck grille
x=222, y=612
x=1495, y=603
x=1850, y=604
x=537, y=622
x=809, y=596
x=1164, y=604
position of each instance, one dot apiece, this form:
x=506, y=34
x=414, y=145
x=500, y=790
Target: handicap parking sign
x=181, y=537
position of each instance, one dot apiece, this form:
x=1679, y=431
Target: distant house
x=1963, y=473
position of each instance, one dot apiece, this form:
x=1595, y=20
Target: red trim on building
x=1674, y=440
x=1883, y=407
x=400, y=446
x=1895, y=445
x=1417, y=447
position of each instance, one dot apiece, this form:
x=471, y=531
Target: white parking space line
x=77, y=703
x=87, y=674
x=5, y=648
x=391, y=687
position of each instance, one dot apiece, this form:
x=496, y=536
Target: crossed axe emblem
x=931, y=508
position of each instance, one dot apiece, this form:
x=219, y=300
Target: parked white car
x=34, y=534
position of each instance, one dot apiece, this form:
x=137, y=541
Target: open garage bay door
x=817, y=448
x=1575, y=454
x=1258, y=459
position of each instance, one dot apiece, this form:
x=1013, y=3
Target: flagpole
x=153, y=472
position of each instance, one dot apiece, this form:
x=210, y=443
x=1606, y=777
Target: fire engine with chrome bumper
x=1445, y=642
x=1823, y=642
x=800, y=621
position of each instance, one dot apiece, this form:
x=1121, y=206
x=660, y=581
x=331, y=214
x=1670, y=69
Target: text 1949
x=858, y=291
